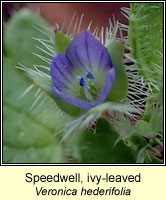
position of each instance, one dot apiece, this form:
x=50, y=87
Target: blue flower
x=85, y=75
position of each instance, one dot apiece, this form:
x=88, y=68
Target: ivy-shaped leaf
x=102, y=147
x=25, y=128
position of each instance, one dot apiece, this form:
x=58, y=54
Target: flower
x=85, y=75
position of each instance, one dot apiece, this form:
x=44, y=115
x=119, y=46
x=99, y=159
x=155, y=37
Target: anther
x=84, y=82
x=86, y=87
x=89, y=75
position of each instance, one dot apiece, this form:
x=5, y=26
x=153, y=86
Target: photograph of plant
x=79, y=91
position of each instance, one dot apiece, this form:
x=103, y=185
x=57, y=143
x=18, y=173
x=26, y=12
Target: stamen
x=85, y=85
x=87, y=94
x=89, y=75
x=83, y=81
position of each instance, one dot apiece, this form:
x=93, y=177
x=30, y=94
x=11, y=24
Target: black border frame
x=80, y=164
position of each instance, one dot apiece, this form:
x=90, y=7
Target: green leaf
x=120, y=87
x=47, y=154
x=62, y=42
x=27, y=25
x=19, y=34
x=145, y=38
x=36, y=102
x=143, y=128
x=153, y=126
x=139, y=141
x=26, y=140
x=102, y=147
x=26, y=130
x=30, y=109
x=157, y=120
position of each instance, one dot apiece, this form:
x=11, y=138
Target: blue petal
x=72, y=100
x=61, y=71
x=85, y=52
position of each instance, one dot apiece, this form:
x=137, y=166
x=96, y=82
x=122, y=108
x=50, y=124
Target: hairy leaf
x=22, y=36
x=145, y=38
x=103, y=147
